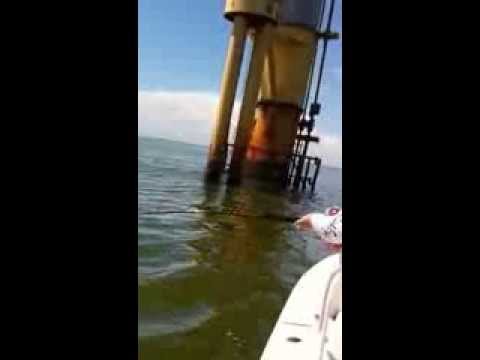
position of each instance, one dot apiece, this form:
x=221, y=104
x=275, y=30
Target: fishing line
x=275, y=217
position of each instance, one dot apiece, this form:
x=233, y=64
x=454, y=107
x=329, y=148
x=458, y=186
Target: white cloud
x=178, y=115
x=182, y=116
x=188, y=116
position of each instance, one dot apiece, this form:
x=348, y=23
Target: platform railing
x=303, y=172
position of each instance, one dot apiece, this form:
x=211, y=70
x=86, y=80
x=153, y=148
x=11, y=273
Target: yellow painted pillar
x=246, y=120
x=274, y=132
x=219, y=143
x=283, y=86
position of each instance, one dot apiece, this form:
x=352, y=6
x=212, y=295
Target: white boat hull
x=310, y=324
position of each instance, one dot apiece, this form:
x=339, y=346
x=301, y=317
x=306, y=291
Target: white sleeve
x=320, y=222
x=329, y=228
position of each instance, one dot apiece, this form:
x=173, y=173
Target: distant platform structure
x=280, y=103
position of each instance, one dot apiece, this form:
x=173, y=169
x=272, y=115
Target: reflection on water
x=213, y=280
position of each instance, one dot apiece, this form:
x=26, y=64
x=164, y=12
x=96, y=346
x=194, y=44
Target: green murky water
x=213, y=279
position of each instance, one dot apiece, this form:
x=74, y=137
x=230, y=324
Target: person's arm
x=328, y=227
x=314, y=221
x=304, y=223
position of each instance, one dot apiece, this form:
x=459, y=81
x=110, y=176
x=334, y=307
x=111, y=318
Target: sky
x=182, y=46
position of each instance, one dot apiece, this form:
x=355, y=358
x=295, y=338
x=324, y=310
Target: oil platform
x=280, y=102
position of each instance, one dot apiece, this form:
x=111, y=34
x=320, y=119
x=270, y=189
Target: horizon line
x=204, y=145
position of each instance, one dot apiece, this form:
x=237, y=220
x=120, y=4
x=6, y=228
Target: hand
x=304, y=223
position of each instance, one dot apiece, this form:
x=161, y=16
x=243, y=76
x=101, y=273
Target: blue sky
x=182, y=46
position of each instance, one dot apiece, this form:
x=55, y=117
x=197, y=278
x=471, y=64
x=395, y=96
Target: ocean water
x=215, y=264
